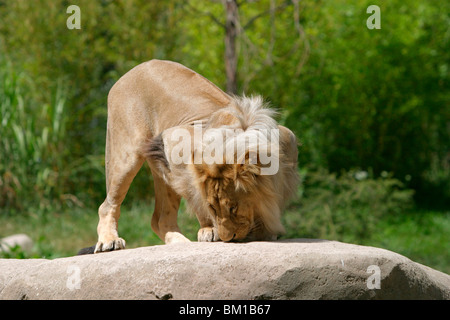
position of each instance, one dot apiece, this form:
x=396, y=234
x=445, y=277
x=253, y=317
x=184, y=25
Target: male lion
x=232, y=199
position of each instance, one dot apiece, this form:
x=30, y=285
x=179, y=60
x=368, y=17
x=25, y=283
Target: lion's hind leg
x=164, y=219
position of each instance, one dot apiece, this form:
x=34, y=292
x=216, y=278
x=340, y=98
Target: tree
x=231, y=31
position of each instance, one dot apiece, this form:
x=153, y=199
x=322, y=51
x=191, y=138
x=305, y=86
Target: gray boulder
x=289, y=269
x=22, y=240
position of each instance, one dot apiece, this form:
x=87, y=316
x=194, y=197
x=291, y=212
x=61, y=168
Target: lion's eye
x=233, y=209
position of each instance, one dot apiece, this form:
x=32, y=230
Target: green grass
x=63, y=234
x=422, y=236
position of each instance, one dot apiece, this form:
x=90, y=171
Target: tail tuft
x=88, y=250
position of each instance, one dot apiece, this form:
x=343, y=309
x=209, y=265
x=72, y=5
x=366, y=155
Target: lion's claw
x=111, y=245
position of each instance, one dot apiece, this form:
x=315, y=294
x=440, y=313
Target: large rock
x=290, y=269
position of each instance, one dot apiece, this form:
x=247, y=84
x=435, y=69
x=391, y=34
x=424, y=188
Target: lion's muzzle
x=228, y=231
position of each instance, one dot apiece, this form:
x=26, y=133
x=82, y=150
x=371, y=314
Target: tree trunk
x=231, y=9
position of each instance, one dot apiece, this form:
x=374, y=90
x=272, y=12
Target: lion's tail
x=88, y=250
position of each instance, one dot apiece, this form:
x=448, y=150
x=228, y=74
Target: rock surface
x=289, y=269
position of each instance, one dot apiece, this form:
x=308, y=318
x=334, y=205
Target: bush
x=345, y=207
x=36, y=167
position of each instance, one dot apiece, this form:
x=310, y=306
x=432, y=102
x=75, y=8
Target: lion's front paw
x=208, y=234
x=109, y=245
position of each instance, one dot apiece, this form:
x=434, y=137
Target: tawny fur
x=152, y=100
x=260, y=198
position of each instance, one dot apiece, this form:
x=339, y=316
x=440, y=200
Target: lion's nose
x=226, y=235
x=232, y=238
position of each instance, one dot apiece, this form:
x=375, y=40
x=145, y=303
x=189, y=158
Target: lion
x=233, y=199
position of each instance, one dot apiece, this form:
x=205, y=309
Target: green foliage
x=356, y=98
x=36, y=167
x=374, y=99
x=31, y=148
x=421, y=235
x=15, y=252
x=345, y=207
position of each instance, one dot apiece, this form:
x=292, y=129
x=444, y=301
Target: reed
x=33, y=136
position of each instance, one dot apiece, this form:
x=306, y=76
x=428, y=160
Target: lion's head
x=229, y=192
x=233, y=180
